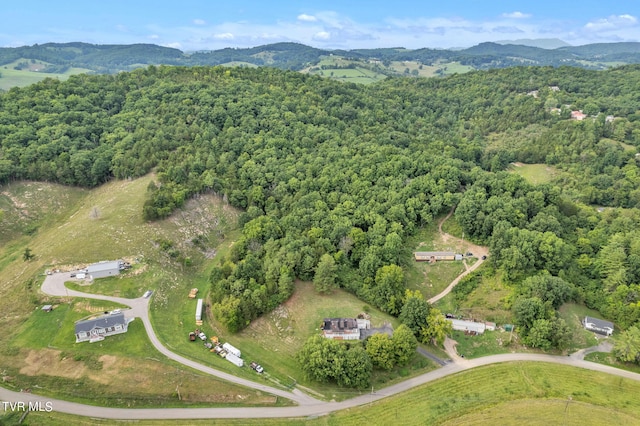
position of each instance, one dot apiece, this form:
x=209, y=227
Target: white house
x=101, y=327
x=598, y=326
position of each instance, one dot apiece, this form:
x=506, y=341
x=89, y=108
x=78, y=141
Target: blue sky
x=347, y=24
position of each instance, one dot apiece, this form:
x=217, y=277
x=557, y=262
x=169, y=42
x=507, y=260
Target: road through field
x=307, y=406
x=54, y=286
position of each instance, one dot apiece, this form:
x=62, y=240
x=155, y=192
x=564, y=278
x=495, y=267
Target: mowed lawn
x=535, y=173
x=20, y=78
x=124, y=370
x=431, y=278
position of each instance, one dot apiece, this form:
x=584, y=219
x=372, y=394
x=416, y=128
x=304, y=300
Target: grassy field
x=274, y=339
x=124, y=370
x=69, y=228
x=535, y=173
x=488, y=343
x=509, y=394
x=357, y=75
x=429, y=278
x=20, y=78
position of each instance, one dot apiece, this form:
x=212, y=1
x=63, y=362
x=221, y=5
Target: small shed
x=47, y=308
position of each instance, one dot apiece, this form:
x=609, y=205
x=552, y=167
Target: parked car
x=72, y=275
x=147, y=294
x=202, y=336
x=116, y=311
x=192, y=336
x=484, y=257
x=257, y=367
x=469, y=254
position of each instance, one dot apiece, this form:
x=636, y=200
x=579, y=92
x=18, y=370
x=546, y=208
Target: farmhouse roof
x=434, y=253
x=598, y=323
x=100, y=322
x=339, y=324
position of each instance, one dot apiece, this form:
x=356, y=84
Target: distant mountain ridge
x=542, y=43
x=295, y=56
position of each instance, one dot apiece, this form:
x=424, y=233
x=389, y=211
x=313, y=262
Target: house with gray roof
x=598, y=326
x=98, y=328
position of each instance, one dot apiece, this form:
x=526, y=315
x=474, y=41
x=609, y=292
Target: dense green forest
x=334, y=177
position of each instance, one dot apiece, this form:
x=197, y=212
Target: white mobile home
x=467, y=326
x=231, y=349
x=234, y=359
x=199, y=312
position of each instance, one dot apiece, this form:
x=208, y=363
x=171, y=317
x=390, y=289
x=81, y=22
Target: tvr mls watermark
x=45, y=406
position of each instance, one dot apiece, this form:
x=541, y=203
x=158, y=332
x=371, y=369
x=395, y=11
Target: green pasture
x=20, y=78
x=535, y=173
x=507, y=394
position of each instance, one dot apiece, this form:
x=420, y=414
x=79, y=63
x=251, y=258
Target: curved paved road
x=303, y=410
x=54, y=285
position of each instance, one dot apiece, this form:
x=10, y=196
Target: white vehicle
x=146, y=294
x=202, y=336
x=116, y=311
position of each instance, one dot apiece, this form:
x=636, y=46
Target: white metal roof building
x=104, y=269
x=472, y=326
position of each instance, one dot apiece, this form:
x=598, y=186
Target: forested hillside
x=334, y=177
x=59, y=57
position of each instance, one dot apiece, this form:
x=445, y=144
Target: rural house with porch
x=97, y=329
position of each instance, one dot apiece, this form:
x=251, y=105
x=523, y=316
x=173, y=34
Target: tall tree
x=381, y=351
x=324, y=279
x=436, y=329
x=404, y=343
x=626, y=347
x=414, y=312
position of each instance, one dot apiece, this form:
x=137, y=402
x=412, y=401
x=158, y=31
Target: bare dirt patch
x=48, y=361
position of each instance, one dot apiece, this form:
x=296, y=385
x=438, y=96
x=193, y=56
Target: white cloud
x=307, y=18
x=224, y=36
x=516, y=15
x=613, y=22
x=332, y=30
x=322, y=35
x=174, y=45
